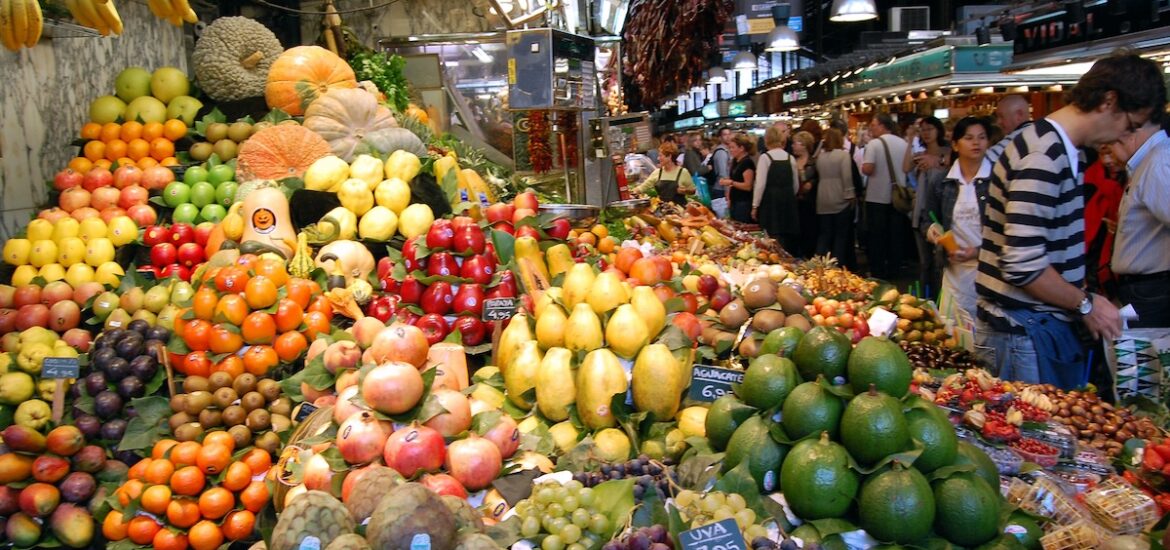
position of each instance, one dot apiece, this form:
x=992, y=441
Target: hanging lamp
x=849, y=11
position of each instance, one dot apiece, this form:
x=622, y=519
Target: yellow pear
x=555, y=387
x=393, y=193
x=578, y=282
x=109, y=273
x=368, y=169
x=93, y=228
x=516, y=333
x=52, y=272
x=550, y=327
x=98, y=252
x=70, y=250
x=657, y=382
x=23, y=275
x=583, y=329
x=16, y=251
x=607, y=293
x=649, y=308
x=599, y=378
x=563, y=434
x=520, y=374
x=626, y=332
x=559, y=259
x=552, y=295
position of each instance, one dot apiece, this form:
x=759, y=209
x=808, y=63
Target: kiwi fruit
x=269, y=388
x=258, y=420
x=767, y=320
x=200, y=151
x=749, y=347
x=195, y=383
x=798, y=321
x=215, y=131
x=178, y=419
x=225, y=149
x=218, y=380
x=252, y=401
x=179, y=402
x=197, y=401
x=280, y=422
x=734, y=314
x=239, y=131
x=790, y=300
x=241, y=435
x=268, y=441
x=224, y=397
x=282, y=406
x=190, y=431
x=234, y=415
x=211, y=418
x=244, y=383
x=759, y=293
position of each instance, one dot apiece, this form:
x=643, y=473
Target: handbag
x=901, y=196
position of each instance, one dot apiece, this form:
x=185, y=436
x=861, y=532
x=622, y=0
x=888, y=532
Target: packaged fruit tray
x=1121, y=507
x=1046, y=498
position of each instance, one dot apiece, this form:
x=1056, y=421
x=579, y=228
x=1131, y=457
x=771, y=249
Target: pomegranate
x=474, y=462
x=392, y=388
x=361, y=438
x=400, y=342
x=443, y=484
x=345, y=406
x=506, y=435
x=415, y=448
x=457, y=419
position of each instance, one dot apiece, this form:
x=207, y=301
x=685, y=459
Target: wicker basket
x=313, y=424
x=1078, y=536
x=1120, y=507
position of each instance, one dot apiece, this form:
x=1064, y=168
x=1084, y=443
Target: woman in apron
x=958, y=203
x=774, y=195
x=670, y=181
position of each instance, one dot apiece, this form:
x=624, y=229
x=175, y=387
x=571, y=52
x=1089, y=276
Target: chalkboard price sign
x=499, y=309
x=60, y=367
x=711, y=383
x=721, y=535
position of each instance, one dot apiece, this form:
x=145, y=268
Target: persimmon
x=300, y=291
x=197, y=363
x=290, y=345
x=231, y=364
x=197, y=334
x=273, y=270
x=316, y=323
x=142, y=529
x=260, y=292
x=231, y=279
x=225, y=340
x=289, y=315
x=321, y=304
x=232, y=308
x=260, y=359
x=188, y=481
x=258, y=328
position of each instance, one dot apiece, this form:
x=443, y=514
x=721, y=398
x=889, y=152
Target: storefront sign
x=982, y=59
x=792, y=96
x=720, y=109
x=710, y=383
x=1064, y=28
x=687, y=123
x=920, y=66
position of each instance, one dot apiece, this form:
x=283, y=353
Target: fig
x=113, y=430
x=78, y=487
x=107, y=405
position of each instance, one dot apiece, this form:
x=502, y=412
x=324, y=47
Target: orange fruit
x=129, y=491
x=131, y=130
x=205, y=535
x=116, y=149
x=188, y=481
x=161, y=148
x=81, y=165
x=94, y=150
x=138, y=470
x=258, y=328
x=321, y=304
x=142, y=529
x=260, y=292
x=113, y=527
x=137, y=149
x=300, y=291
x=213, y=458
x=152, y=131
x=196, y=333
x=231, y=279
x=258, y=461
x=231, y=308
x=166, y=539
x=606, y=245
x=247, y=261
x=197, y=363
x=91, y=130
x=110, y=131
x=124, y=161
x=220, y=438
x=174, y=129
x=258, y=360
x=147, y=162
x=159, y=471
x=203, y=303
x=185, y=454
x=274, y=270
x=290, y=345
x=316, y=323
x=216, y=502
x=237, y=477
x=169, y=161
x=289, y=315
x=103, y=163
x=225, y=339
x=239, y=525
x=232, y=364
x=156, y=498
x=587, y=238
x=255, y=497
x=183, y=512
x=162, y=447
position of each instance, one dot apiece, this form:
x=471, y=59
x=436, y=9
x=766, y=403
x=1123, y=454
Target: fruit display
x=24, y=395
x=124, y=365
x=204, y=194
x=71, y=250
x=562, y=515
x=21, y=24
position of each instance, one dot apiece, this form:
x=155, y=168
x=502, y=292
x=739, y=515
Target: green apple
x=132, y=83
x=195, y=174
x=106, y=109
x=186, y=213
x=184, y=108
x=213, y=212
x=225, y=193
x=176, y=193
x=167, y=83
x=146, y=109
x=221, y=173
x=202, y=194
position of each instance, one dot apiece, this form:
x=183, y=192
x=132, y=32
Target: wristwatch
x=1086, y=305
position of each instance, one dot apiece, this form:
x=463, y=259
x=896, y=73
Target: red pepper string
x=567, y=121
x=539, y=152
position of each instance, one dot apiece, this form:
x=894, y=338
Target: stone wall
x=404, y=18
x=46, y=95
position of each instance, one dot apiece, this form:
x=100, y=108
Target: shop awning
x=1145, y=42
x=961, y=80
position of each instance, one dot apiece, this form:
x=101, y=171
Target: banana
x=91, y=16
x=191, y=17
x=179, y=8
x=36, y=23
x=176, y=20
x=109, y=15
x=160, y=8
x=7, y=37
x=19, y=21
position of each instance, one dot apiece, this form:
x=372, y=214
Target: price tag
x=60, y=367
x=499, y=309
x=721, y=535
x=711, y=383
x=304, y=411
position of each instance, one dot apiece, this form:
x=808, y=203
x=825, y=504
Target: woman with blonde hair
x=742, y=178
x=671, y=181
x=776, y=185
x=804, y=146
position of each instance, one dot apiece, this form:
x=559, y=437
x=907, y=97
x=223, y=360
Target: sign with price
x=60, y=367
x=499, y=309
x=721, y=535
x=711, y=383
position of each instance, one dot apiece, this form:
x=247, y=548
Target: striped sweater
x=1034, y=219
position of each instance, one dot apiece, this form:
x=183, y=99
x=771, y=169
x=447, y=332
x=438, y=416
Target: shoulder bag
x=901, y=196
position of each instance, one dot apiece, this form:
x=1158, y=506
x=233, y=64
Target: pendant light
x=744, y=61
x=849, y=11
x=716, y=75
x=783, y=39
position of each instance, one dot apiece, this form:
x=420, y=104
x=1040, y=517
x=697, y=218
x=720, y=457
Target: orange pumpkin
x=302, y=74
x=278, y=152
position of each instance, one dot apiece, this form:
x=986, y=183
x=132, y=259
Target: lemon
x=415, y=220
x=16, y=251
x=64, y=228
x=393, y=193
x=70, y=251
x=91, y=228
x=692, y=421
x=40, y=230
x=612, y=445
x=122, y=230
x=44, y=252
x=23, y=275
x=52, y=272
x=564, y=435
x=378, y=223
x=79, y=273
x=109, y=273
x=98, y=252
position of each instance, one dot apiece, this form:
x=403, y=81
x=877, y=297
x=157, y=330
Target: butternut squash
x=267, y=221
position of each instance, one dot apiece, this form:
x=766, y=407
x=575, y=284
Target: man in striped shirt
x=1032, y=263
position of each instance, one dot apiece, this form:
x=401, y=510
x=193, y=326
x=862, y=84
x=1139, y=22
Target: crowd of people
x=1031, y=233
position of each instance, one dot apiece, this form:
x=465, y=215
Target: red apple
x=471, y=329
x=110, y=212
x=190, y=254
x=440, y=235
x=442, y=263
x=132, y=195
x=85, y=213
x=406, y=317
x=163, y=254
x=691, y=301
x=203, y=232
x=499, y=212
x=521, y=213
x=383, y=307
x=437, y=298
x=127, y=175
x=182, y=233
x=105, y=197
x=477, y=268
x=411, y=290
x=97, y=177
x=489, y=253
x=176, y=270
x=26, y=295
x=469, y=299
x=156, y=178
x=385, y=265
x=142, y=214
x=528, y=231
x=433, y=326
x=720, y=298
x=410, y=257
x=66, y=179
x=469, y=238
x=459, y=222
x=689, y=324
x=504, y=226
x=32, y=315
x=73, y=198
x=559, y=229
x=527, y=200
x=506, y=288
x=708, y=284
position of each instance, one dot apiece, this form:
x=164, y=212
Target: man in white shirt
x=882, y=167
x=1140, y=257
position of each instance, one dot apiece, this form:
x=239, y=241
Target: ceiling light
x=909, y=98
x=716, y=75
x=811, y=84
x=481, y=55
x=848, y=11
x=896, y=100
x=938, y=93
x=823, y=81
x=452, y=63
x=922, y=95
x=744, y=61
x=783, y=39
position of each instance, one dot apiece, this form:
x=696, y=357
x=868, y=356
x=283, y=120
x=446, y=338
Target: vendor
x=670, y=181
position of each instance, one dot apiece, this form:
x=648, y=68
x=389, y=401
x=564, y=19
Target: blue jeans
x=1011, y=356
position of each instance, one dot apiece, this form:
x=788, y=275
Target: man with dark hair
x=1012, y=116
x=1032, y=264
x=883, y=170
x=720, y=161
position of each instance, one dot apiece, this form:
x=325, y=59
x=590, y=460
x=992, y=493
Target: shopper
x=670, y=181
x=884, y=226
x=1141, y=255
x=926, y=168
x=693, y=156
x=742, y=180
x=776, y=185
x=1011, y=114
x=721, y=161
x=1104, y=187
x=1032, y=263
x=958, y=202
x=813, y=127
x=803, y=146
x=834, y=197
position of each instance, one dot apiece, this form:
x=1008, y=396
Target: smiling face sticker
x=263, y=221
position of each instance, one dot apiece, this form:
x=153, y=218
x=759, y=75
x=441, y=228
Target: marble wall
x=45, y=100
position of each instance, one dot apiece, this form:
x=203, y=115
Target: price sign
x=721, y=535
x=711, y=383
x=60, y=367
x=499, y=309
x=304, y=411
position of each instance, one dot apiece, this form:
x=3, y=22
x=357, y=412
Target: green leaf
x=615, y=499
x=148, y=425
x=431, y=408
x=699, y=470
x=316, y=375
x=505, y=245
x=651, y=511
x=947, y=471
x=505, y=533
x=455, y=337
x=843, y=391
x=906, y=458
x=832, y=526
x=580, y=458
x=291, y=387
x=673, y=337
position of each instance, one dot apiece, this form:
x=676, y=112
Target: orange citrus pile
x=142, y=145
